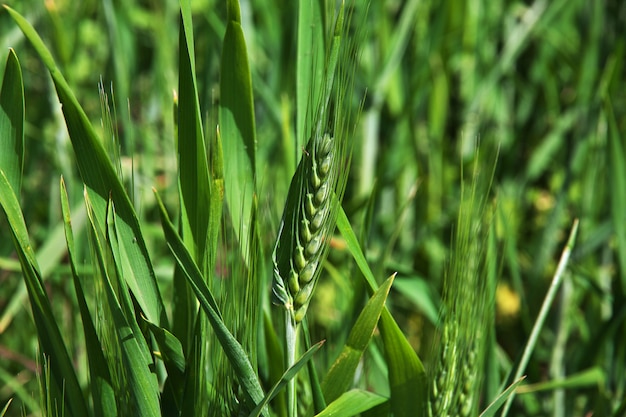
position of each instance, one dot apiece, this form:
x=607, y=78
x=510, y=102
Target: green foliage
x=113, y=307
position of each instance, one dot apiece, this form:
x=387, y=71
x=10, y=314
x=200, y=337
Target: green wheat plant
x=315, y=192
x=293, y=208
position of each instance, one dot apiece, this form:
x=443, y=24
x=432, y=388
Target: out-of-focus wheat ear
x=468, y=301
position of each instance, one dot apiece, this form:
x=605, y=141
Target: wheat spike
x=307, y=225
x=468, y=305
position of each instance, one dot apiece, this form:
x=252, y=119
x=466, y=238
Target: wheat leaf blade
x=237, y=127
x=407, y=376
x=12, y=122
x=192, y=160
x=341, y=374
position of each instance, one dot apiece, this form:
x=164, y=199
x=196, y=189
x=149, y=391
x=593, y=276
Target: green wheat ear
x=307, y=224
x=317, y=186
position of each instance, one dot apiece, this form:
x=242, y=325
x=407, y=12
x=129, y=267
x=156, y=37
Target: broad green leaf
x=351, y=403
x=65, y=388
x=237, y=127
x=493, y=408
x=341, y=373
x=232, y=348
x=142, y=385
x=100, y=384
x=287, y=376
x=99, y=176
x=407, y=376
x=12, y=123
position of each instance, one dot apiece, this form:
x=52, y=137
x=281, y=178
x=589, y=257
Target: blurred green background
x=543, y=82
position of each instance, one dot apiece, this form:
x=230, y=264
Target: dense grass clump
x=296, y=208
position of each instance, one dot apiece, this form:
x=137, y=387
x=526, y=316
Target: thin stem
x=543, y=313
x=291, y=333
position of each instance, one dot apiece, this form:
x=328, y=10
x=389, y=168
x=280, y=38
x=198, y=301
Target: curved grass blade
x=407, y=376
x=287, y=376
x=237, y=127
x=99, y=176
x=102, y=391
x=341, y=373
x=12, y=122
x=232, y=348
x=351, y=403
x=495, y=405
x=65, y=389
x=6, y=407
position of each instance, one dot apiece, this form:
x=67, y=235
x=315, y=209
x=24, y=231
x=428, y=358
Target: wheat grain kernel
x=306, y=275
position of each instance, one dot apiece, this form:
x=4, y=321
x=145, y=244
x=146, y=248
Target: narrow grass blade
x=232, y=348
x=102, y=391
x=287, y=376
x=309, y=65
x=52, y=345
x=193, y=171
x=493, y=408
x=99, y=176
x=136, y=361
x=407, y=376
x=341, y=373
x=617, y=175
x=6, y=407
x=237, y=127
x=12, y=123
x=588, y=378
x=351, y=403
x=543, y=313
